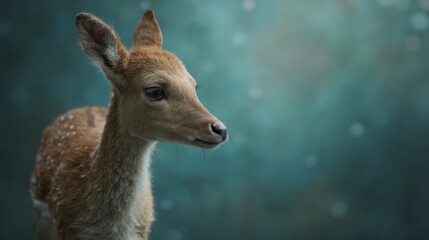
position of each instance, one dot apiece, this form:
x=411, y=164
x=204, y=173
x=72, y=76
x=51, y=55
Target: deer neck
x=120, y=172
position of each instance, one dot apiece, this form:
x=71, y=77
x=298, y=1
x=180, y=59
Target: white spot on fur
x=61, y=166
x=33, y=180
x=112, y=54
x=43, y=208
x=190, y=138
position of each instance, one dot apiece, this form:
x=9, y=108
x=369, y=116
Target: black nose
x=220, y=130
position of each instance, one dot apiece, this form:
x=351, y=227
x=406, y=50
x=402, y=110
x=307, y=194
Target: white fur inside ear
x=112, y=54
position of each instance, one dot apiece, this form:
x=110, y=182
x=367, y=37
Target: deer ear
x=148, y=32
x=99, y=41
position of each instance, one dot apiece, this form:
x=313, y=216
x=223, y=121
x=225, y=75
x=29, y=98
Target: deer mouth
x=206, y=144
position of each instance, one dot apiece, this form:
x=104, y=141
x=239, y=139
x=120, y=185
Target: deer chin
x=206, y=143
x=197, y=142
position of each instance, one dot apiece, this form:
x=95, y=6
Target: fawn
x=92, y=178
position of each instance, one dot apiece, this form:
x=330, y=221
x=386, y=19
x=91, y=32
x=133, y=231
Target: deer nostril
x=219, y=129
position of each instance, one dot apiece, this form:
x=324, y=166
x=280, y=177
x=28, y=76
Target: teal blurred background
x=327, y=103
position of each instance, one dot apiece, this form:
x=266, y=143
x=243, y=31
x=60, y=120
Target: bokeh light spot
x=239, y=39
x=385, y=3
x=311, y=160
x=4, y=28
x=419, y=21
x=174, y=235
x=249, y=5
x=339, y=209
x=166, y=204
x=255, y=92
x=144, y=5
x=357, y=129
x=412, y=43
x=424, y=4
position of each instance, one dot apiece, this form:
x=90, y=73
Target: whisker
x=204, y=153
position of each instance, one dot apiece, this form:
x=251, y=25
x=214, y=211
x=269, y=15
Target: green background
x=326, y=101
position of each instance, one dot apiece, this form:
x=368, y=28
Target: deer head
x=157, y=97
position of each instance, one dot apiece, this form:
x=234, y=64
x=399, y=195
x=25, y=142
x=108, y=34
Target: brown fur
x=92, y=177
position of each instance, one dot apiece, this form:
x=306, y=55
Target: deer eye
x=154, y=93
